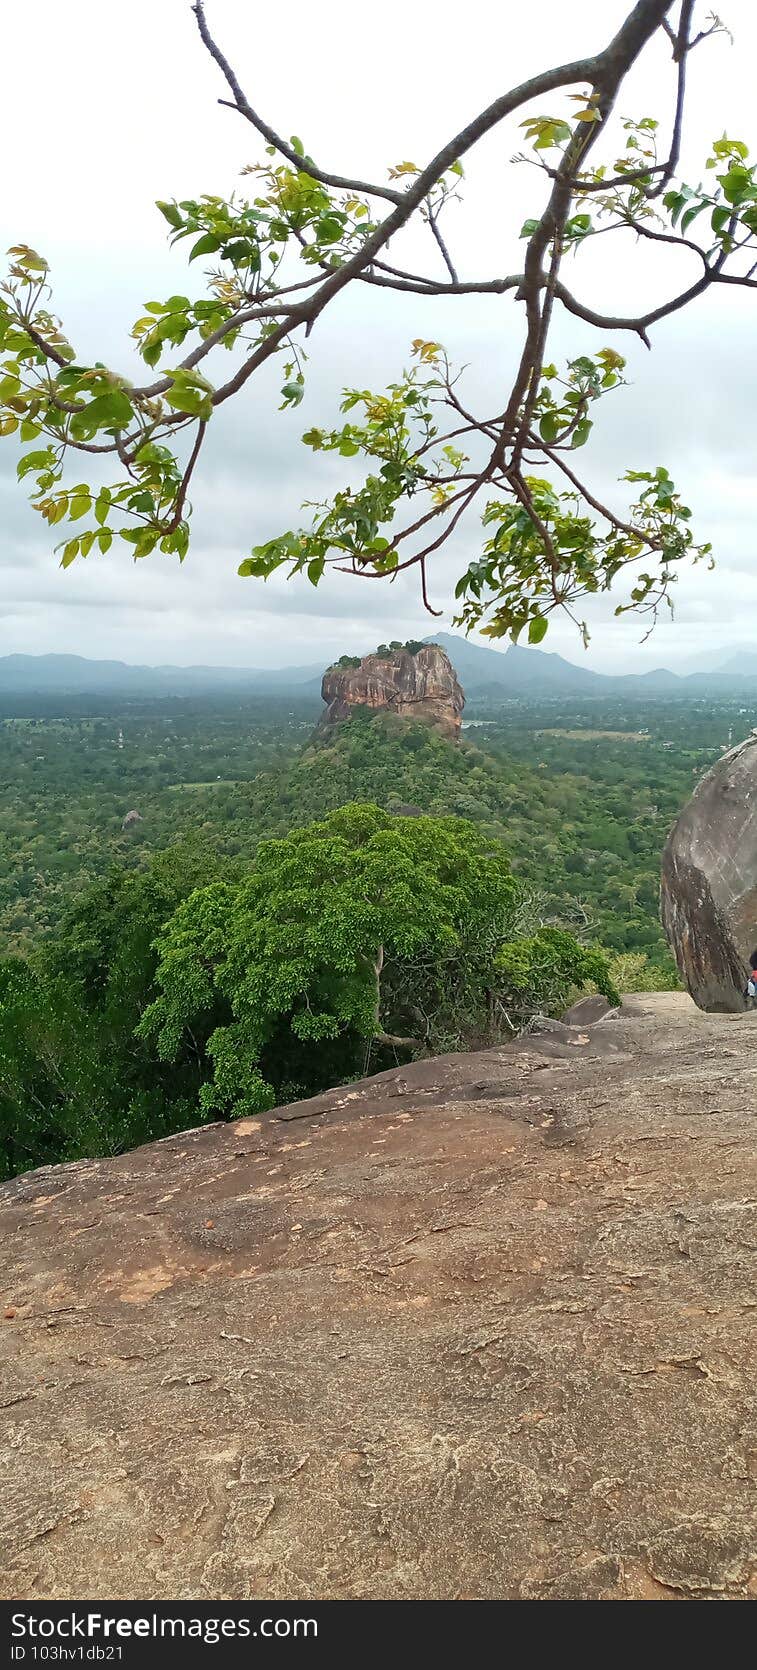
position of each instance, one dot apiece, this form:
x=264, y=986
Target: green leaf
x=549, y=427
x=260, y=564
x=315, y=569
x=329, y=229
x=40, y=460
x=537, y=628
x=386, y=559
x=737, y=184
x=112, y=410
x=190, y=393
x=206, y=245
x=70, y=553
x=691, y=215
x=242, y=251
x=79, y=506
x=172, y=213
x=581, y=432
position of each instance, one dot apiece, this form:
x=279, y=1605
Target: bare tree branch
x=270, y=135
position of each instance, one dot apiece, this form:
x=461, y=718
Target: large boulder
x=708, y=898
x=415, y=684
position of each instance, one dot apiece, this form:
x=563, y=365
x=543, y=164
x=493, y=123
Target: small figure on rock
x=750, y=991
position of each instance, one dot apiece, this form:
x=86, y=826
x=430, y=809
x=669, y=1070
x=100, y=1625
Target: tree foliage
x=535, y=974
x=303, y=235
x=74, y=1079
x=297, y=951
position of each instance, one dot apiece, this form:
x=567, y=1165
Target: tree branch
x=339, y=181
x=681, y=49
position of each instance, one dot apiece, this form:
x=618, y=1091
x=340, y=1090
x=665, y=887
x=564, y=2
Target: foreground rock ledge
x=480, y=1327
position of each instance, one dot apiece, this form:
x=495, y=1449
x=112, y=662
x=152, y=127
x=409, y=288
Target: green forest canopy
x=271, y=986
x=571, y=818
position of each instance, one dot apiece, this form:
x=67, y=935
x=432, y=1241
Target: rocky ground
x=480, y=1327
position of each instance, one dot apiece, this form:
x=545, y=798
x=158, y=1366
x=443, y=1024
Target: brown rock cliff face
x=422, y=686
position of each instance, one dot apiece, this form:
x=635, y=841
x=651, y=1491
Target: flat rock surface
x=478, y=1327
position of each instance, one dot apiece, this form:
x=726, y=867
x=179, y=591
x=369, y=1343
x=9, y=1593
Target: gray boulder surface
x=478, y=1327
x=708, y=897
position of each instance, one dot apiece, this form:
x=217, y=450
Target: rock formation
x=420, y=684
x=478, y=1327
x=709, y=882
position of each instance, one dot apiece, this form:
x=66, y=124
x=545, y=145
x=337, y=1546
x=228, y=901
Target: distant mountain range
x=515, y=672
x=535, y=673
x=75, y=675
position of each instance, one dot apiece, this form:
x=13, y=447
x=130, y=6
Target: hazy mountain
x=741, y=663
x=518, y=671
x=511, y=673
x=75, y=675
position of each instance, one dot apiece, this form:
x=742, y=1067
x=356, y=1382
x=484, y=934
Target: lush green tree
x=35, y=1113
x=296, y=952
x=74, y=1079
x=342, y=933
x=632, y=971
x=306, y=233
x=105, y=946
x=543, y=972
x=68, y=1086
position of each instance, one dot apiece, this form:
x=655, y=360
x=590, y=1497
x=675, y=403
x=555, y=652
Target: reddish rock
x=421, y=685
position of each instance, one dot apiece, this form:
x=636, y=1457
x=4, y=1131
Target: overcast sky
x=107, y=107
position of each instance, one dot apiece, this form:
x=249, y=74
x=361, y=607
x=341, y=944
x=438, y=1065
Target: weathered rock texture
x=709, y=882
x=422, y=686
x=478, y=1327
